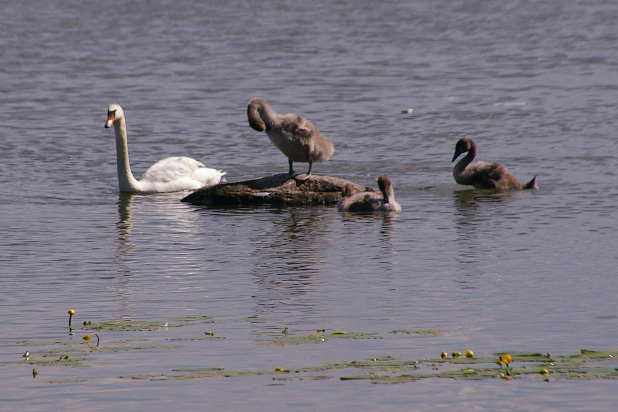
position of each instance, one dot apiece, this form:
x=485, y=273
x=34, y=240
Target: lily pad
x=126, y=325
x=418, y=331
x=68, y=380
x=321, y=337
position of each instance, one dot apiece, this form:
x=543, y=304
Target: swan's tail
x=531, y=184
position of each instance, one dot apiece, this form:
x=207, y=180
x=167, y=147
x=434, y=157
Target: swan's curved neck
x=268, y=116
x=126, y=181
x=460, y=166
x=389, y=194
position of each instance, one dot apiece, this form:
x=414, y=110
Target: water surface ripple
x=534, y=83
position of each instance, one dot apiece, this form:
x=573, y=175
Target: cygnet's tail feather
x=531, y=184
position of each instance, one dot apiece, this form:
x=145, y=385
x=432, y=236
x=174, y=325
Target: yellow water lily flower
x=444, y=355
x=469, y=353
x=456, y=354
x=88, y=338
x=505, y=359
x=544, y=371
x=71, y=312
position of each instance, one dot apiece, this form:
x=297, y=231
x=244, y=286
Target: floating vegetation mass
x=320, y=337
x=76, y=352
x=431, y=332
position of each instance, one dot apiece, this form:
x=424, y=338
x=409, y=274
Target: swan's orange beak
x=111, y=116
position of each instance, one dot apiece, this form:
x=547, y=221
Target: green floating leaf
x=417, y=331
x=596, y=354
x=196, y=338
x=62, y=360
x=68, y=380
x=181, y=321
x=300, y=377
x=319, y=338
x=396, y=379
x=127, y=325
x=382, y=358
x=356, y=377
x=198, y=370
x=123, y=348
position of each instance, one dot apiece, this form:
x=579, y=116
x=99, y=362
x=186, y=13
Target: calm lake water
x=534, y=83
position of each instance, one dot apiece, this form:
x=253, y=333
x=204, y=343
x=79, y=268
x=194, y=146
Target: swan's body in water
x=295, y=136
x=484, y=175
x=354, y=201
x=171, y=174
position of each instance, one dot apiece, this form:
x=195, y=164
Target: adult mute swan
x=371, y=201
x=484, y=175
x=171, y=174
x=295, y=136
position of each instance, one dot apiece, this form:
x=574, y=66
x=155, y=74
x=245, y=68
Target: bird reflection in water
x=385, y=255
x=124, y=245
x=474, y=225
x=124, y=225
x=289, y=254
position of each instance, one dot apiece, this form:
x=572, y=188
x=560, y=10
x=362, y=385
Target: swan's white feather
x=179, y=173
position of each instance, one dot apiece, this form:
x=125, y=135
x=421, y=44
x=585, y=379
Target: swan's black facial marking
x=111, y=117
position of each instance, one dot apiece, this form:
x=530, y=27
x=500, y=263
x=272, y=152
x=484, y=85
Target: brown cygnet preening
x=295, y=136
x=484, y=175
x=355, y=201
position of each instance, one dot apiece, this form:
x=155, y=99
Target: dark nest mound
x=280, y=190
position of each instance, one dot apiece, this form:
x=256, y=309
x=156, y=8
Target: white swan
x=171, y=174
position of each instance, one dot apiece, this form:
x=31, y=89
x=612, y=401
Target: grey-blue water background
x=535, y=83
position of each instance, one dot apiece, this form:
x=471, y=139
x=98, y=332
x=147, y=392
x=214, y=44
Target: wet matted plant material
x=586, y=365
x=320, y=337
x=80, y=350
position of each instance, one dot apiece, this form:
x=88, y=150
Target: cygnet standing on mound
x=484, y=175
x=354, y=201
x=171, y=174
x=295, y=136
